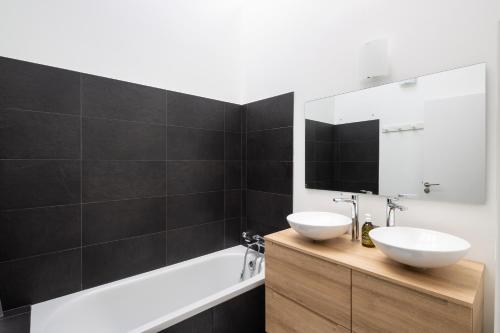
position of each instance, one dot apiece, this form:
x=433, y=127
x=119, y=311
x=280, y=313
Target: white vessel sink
x=419, y=247
x=319, y=225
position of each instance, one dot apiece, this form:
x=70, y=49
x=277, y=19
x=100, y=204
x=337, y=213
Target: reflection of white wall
x=321, y=110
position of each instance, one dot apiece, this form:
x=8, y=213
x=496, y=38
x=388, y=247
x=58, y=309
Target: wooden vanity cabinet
x=339, y=286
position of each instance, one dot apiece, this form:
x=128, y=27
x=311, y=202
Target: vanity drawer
x=379, y=306
x=320, y=286
x=286, y=316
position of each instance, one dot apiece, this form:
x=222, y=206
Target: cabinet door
x=286, y=316
x=379, y=306
x=320, y=286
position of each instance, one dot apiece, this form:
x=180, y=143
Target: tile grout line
x=81, y=182
x=166, y=177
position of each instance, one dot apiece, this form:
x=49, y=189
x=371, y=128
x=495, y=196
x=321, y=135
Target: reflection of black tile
x=319, y=171
x=26, y=135
x=36, y=183
x=358, y=131
x=192, y=242
x=194, y=144
x=267, y=208
x=270, y=176
x=115, y=180
x=194, y=176
x=310, y=151
x=232, y=232
x=200, y=323
x=359, y=172
x=40, y=278
x=112, y=261
x=325, y=151
x=35, y=231
x=122, y=140
x=108, y=221
x=29, y=86
x=114, y=99
x=233, y=118
x=194, y=111
x=269, y=113
x=242, y=314
x=192, y=209
x=324, y=132
x=359, y=151
x=274, y=144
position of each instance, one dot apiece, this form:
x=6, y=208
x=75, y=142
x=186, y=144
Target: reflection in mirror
x=424, y=136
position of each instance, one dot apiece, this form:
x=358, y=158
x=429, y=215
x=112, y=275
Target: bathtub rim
x=43, y=312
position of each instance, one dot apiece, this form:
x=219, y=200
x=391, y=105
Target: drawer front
x=286, y=316
x=379, y=306
x=318, y=285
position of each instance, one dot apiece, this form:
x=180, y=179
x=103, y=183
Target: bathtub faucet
x=253, y=241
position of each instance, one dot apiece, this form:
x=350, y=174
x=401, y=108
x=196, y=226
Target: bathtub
x=151, y=301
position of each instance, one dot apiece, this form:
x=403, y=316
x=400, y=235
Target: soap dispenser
x=366, y=241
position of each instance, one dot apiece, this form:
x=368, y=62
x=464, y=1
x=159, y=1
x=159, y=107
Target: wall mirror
x=424, y=137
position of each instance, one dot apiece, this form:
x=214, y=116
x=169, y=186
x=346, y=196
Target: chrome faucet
x=391, y=207
x=353, y=200
x=251, y=241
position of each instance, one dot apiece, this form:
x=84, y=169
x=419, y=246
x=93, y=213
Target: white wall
x=311, y=47
x=190, y=46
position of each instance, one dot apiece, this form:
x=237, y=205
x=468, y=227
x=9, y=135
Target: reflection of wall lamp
x=403, y=128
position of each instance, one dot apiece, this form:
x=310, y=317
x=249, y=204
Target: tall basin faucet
x=353, y=201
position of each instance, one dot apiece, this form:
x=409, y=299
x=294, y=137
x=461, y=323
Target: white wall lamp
x=374, y=59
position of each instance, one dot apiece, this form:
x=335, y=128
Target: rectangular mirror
x=424, y=137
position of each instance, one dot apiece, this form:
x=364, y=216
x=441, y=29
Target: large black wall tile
x=358, y=131
x=232, y=232
x=30, y=86
x=113, y=99
x=366, y=151
x=35, y=231
x=32, y=183
x=233, y=146
x=39, y=278
x=269, y=113
x=242, y=314
x=194, y=176
x=117, y=260
x=233, y=174
x=270, y=176
x=115, y=220
x=187, y=210
x=359, y=171
x=122, y=140
x=262, y=229
x=19, y=323
x=32, y=135
x=268, y=208
x=193, y=111
x=274, y=145
x=233, y=118
x=233, y=203
x=115, y=180
x=187, y=243
x=200, y=323
x=194, y=144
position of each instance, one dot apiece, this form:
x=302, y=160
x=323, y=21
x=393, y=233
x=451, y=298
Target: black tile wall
x=102, y=179
x=15, y=322
x=113, y=99
x=268, y=167
x=111, y=261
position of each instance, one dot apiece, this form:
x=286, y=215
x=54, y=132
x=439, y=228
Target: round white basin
x=419, y=247
x=319, y=225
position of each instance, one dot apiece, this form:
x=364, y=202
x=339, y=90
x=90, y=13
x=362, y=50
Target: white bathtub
x=151, y=301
